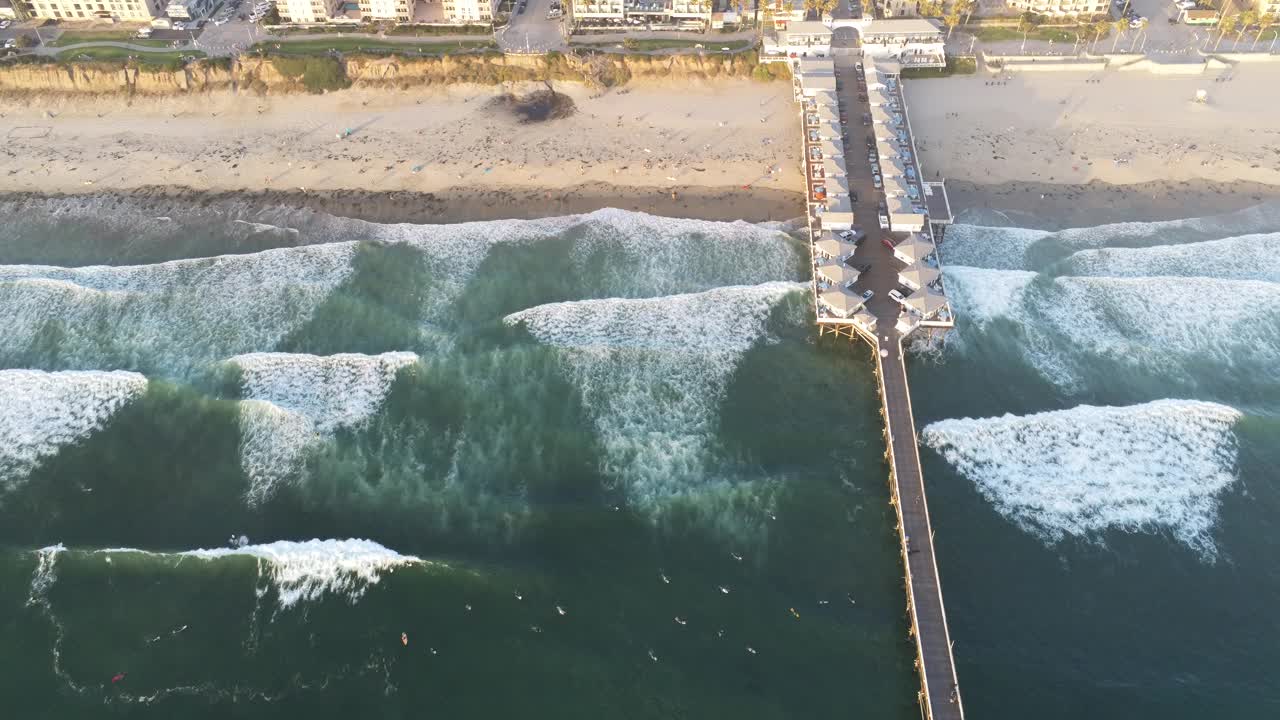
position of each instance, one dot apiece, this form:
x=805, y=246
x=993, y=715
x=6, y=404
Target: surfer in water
x=404, y=639
x=118, y=677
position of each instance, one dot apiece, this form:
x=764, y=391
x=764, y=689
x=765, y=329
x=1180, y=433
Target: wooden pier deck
x=939, y=686
x=940, y=693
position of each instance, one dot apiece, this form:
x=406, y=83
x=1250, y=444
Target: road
x=531, y=30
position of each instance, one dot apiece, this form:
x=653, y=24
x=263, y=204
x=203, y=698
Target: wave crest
x=1079, y=472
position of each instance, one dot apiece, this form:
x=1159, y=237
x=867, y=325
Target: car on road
x=868, y=294
x=4, y=24
x=866, y=119
x=10, y=44
x=876, y=182
x=896, y=296
x=884, y=221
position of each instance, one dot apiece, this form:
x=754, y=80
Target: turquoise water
x=594, y=466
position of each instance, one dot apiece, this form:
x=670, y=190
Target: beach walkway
x=877, y=277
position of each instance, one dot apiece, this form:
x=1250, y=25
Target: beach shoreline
x=1053, y=206
x=447, y=206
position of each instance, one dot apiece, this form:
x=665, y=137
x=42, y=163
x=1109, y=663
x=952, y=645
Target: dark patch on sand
x=538, y=106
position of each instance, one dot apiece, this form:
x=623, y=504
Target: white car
x=1187, y=5
x=884, y=221
x=4, y=24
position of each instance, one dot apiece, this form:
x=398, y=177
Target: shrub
x=318, y=74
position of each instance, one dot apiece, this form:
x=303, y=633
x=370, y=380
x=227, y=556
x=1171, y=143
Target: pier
x=874, y=226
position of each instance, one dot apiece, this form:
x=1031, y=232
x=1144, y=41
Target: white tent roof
x=828, y=114
x=914, y=248
x=837, y=272
x=919, y=275
x=829, y=129
x=833, y=247
x=813, y=84
x=834, y=167
x=838, y=185
x=841, y=300
x=817, y=66
x=926, y=301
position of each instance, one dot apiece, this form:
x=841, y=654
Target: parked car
x=876, y=182
x=896, y=296
x=4, y=24
x=884, y=225
x=868, y=294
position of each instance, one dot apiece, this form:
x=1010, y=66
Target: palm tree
x=1264, y=22
x=1099, y=28
x=1247, y=19
x=969, y=6
x=1026, y=23
x=1226, y=24
x=1119, y=26
x=952, y=19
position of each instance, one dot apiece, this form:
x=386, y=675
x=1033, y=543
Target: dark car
x=520, y=9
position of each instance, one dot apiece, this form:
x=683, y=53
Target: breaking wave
x=292, y=401
x=1166, y=325
x=172, y=318
x=1245, y=257
x=308, y=571
x=43, y=412
x=1015, y=248
x=652, y=374
x=1160, y=466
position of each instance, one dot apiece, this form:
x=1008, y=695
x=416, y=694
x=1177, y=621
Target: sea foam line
x=1159, y=466
x=43, y=412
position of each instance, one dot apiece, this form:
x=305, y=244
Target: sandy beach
x=461, y=152
x=1135, y=127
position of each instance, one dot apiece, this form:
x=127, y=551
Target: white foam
x=1246, y=257
x=1006, y=247
x=1160, y=466
x=1158, y=324
x=171, y=317
x=307, y=571
x=292, y=401
x=653, y=373
x=42, y=412
x=991, y=247
x=1162, y=323
x=638, y=255
x=981, y=294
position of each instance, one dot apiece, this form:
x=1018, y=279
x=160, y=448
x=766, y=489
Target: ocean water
x=590, y=466
x=1101, y=439
x=600, y=466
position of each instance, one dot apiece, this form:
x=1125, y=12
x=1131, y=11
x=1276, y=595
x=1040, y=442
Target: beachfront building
x=1269, y=7
x=397, y=10
x=837, y=273
x=134, y=10
x=917, y=276
x=800, y=39
x=615, y=10
x=831, y=248
x=840, y=302
x=914, y=42
x=308, y=12
x=188, y=9
x=7, y=11
x=1058, y=8
x=915, y=248
x=469, y=11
